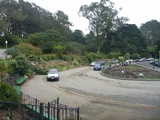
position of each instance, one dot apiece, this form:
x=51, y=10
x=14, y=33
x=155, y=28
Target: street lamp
x=6, y=47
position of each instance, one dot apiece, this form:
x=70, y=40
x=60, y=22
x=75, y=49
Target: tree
x=11, y=17
x=102, y=19
x=62, y=18
x=151, y=30
x=79, y=36
x=130, y=39
x=46, y=40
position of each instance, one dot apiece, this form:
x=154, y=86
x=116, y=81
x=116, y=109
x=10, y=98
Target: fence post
x=57, y=108
x=78, y=114
x=41, y=111
x=21, y=97
x=36, y=104
x=49, y=110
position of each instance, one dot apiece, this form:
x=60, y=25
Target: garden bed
x=131, y=72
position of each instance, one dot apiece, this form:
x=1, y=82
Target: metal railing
x=31, y=108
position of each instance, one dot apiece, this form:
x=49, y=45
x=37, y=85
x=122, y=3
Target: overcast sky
x=137, y=11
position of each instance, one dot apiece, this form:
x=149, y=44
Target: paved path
x=2, y=53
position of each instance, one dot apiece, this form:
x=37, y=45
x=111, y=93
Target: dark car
x=97, y=66
x=53, y=75
x=157, y=64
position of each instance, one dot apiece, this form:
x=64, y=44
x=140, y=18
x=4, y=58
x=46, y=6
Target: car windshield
x=97, y=64
x=52, y=71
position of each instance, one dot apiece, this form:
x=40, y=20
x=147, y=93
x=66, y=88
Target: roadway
x=99, y=97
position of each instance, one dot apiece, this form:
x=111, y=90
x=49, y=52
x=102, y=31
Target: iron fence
x=30, y=109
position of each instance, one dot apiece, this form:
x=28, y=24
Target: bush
x=8, y=94
x=114, y=55
x=135, y=56
x=39, y=71
x=47, y=57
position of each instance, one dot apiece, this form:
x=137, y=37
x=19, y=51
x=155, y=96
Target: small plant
x=8, y=94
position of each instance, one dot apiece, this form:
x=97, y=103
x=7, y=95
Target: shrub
x=114, y=55
x=23, y=64
x=47, y=57
x=27, y=49
x=8, y=94
x=3, y=70
x=127, y=56
x=135, y=56
x=39, y=70
x=89, y=57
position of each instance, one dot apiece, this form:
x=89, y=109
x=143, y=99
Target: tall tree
x=151, y=31
x=79, y=36
x=102, y=19
x=11, y=17
x=130, y=39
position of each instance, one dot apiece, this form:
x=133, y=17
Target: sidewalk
x=2, y=53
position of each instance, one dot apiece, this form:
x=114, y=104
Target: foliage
x=39, y=70
x=12, y=39
x=59, y=50
x=47, y=57
x=75, y=47
x=129, y=39
x=114, y=55
x=27, y=49
x=135, y=56
x=121, y=59
x=158, y=49
x=8, y=94
x=145, y=55
x=102, y=18
x=3, y=70
x=12, y=63
x=30, y=29
x=151, y=30
x=92, y=56
x=151, y=50
x=46, y=40
x=23, y=64
x=127, y=56
x=79, y=36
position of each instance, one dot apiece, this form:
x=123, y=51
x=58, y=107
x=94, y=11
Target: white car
x=93, y=63
x=149, y=59
x=52, y=75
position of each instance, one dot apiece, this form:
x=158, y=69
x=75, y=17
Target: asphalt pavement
x=2, y=53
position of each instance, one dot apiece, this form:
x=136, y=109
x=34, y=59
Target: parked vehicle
x=93, y=63
x=137, y=60
x=52, y=75
x=157, y=64
x=149, y=59
x=142, y=59
x=152, y=62
x=97, y=66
